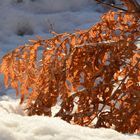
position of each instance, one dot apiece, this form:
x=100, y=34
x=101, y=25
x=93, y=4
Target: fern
x=95, y=73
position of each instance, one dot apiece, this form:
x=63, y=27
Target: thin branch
x=111, y=5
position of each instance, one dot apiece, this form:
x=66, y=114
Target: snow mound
x=16, y=127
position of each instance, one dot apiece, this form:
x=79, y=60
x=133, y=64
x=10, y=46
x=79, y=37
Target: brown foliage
x=93, y=74
x=132, y=5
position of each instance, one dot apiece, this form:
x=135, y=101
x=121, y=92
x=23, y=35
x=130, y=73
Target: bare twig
x=111, y=5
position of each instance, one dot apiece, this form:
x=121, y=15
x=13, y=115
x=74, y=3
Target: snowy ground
x=15, y=125
x=37, y=17
x=21, y=20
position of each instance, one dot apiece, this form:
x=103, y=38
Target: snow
x=17, y=126
x=21, y=20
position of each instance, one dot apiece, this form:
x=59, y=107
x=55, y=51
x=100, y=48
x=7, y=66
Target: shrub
x=93, y=73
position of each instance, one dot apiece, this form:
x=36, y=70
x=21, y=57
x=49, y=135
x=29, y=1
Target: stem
x=111, y=5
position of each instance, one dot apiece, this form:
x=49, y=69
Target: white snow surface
x=21, y=20
x=38, y=17
x=15, y=125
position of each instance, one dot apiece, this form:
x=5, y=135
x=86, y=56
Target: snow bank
x=15, y=127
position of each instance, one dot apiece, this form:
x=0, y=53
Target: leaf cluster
x=93, y=74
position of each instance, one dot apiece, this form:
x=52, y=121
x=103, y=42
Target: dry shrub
x=93, y=74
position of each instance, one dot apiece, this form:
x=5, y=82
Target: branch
x=110, y=5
